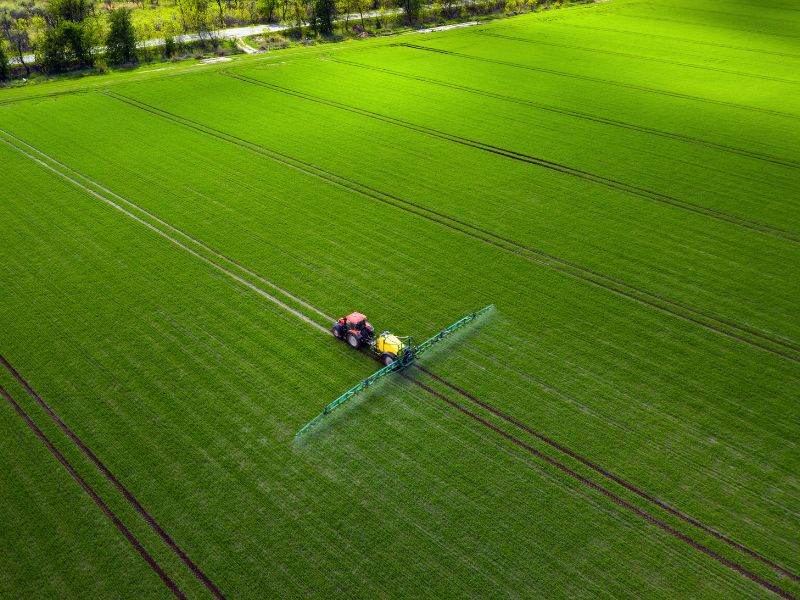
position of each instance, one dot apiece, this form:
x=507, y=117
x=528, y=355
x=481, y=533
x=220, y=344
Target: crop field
x=621, y=180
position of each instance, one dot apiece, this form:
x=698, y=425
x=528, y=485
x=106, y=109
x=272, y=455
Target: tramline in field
x=394, y=352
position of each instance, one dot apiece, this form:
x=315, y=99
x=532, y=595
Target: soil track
x=756, y=339
x=151, y=521
x=785, y=162
x=632, y=86
x=45, y=161
x=608, y=494
x=686, y=40
x=614, y=184
x=611, y=476
x=132, y=539
x=707, y=24
x=665, y=61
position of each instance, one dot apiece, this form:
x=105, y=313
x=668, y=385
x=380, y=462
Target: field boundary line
x=632, y=86
x=689, y=40
x=748, y=4
x=608, y=494
x=696, y=24
x=621, y=186
x=165, y=235
x=45, y=96
x=148, y=518
x=666, y=61
x=505, y=244
x=90, y=491
x=581, y=115
x=611, y=476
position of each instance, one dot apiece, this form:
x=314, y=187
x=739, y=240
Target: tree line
x=69, y=34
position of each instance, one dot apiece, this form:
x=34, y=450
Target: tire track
x=783, y=348
x=581, y=115
x=172, y=228
x=132, y=539
x=47, y=409
x=199, y=574
x=762, y=7
x=615, y=478
x=614, y=184
x=43, y=162
x=15, y=99
x=688, y=40
x=631, y=86
x=706, y=24
x=665, y=61
x=149, y=519
x=607, y=493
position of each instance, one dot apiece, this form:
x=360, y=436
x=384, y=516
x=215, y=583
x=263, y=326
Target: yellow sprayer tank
x=389, y=343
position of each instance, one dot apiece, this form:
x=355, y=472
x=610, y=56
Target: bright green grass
x=163, y=393
x=190, y=386
x=44, y=513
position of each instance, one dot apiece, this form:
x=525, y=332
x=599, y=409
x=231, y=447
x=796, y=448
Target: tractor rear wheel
x=353, y=340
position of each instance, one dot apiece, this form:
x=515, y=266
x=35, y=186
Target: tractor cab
x=354, y=329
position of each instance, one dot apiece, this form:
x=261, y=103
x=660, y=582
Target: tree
x=266, y=10
x=70, y=38
x=298, y=14
x=346, y=8
x=323, y=16
x=412, y=8
x=76, y=11
x=193, y=14
x=121, y=39
x=363, y=6
x=68, y=44
x=16, y=32
x=5, y=72
x=221, y=14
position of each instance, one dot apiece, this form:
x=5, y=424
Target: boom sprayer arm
x=410, y=354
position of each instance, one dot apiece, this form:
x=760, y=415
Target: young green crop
x=190, y=384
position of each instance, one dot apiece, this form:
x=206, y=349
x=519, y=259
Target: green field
x=620, y=179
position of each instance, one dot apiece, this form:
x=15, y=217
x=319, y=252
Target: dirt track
x=132, y=539
x=748, y=336
x=151, y=521
x=615, y=478
x=610, y=495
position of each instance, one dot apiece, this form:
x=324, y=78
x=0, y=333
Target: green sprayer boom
x=410, y=355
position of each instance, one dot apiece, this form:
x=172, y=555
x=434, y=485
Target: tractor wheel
x=353, y=340
x=336, y=333
x=388, y=359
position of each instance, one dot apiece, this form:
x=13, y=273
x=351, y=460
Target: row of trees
x=68, y=34
x=204, y=16
x=72, y=33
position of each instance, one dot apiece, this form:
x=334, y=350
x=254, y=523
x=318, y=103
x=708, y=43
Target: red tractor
x=355, y=329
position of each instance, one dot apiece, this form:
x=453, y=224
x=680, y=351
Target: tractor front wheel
x=353, y=340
